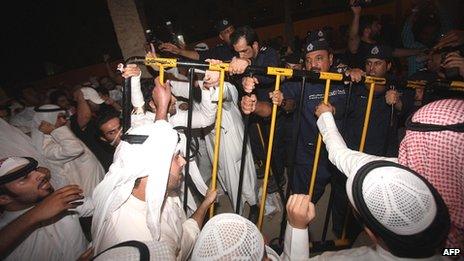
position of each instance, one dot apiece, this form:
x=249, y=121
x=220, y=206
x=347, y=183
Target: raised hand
x=300, y=211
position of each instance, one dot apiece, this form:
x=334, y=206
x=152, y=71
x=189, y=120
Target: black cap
x=315, y=35
x=222, y=24
x=382, y=52
x=316, y=45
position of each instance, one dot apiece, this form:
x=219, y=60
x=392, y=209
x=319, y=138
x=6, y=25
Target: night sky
x=63, y=34
x=49, y=37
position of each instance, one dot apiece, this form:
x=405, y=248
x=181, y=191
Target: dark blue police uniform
x=306, y=144
x=221, y=52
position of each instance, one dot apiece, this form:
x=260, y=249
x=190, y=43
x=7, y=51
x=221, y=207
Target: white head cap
x=92, y=95
x=48, y=113
x=201, y=47
x=12, y=168
x=227, y=237
x=399, y=206
x=132, y=160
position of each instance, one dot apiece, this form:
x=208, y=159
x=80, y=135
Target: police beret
x=382, y=52
x=222, y=24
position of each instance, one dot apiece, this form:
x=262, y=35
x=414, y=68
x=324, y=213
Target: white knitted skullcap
x=229, y=237
x=397, y=198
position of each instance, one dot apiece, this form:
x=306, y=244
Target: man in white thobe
x=138, y=199
x=66, y=153
x=37, y=222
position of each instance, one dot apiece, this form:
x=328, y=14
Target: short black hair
x=55, y=95
x=104, y=117
x=367, y=21
x=246, y=32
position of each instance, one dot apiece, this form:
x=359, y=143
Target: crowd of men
x=69, y=175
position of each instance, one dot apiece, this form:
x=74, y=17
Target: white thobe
x=62, y=240
x=230, y=151
x=129, y=223
x=77, y=163
x=23, y=120
x=13, y=142
x=349, y=162
x=203, y=115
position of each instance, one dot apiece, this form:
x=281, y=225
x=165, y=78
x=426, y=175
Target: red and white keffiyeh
x=439, y=157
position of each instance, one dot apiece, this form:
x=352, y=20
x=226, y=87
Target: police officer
x=222, y=51
x=387, y=105
x=246, y=43
x=318, y=58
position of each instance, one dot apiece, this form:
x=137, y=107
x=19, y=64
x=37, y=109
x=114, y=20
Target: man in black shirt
x=83, y=125
x=364, y=34
x=222, y=51
x=387, y=105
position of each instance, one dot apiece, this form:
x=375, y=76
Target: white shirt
x=349, y=161
x=62, y=240
x=23, y=120
x=129, y=223
x=70, y=155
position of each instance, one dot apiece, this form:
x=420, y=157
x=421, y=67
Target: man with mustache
x=387, y=105
x=35, y=222
x=318, y=58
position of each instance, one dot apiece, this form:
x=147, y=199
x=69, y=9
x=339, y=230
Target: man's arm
x=250, y=104
x=401, y=52
x=18, y=230
x=169, y=47
x=353, y=33
x=263, y=109
x=200, y=213
x=300, y=213
x=84, y=114
x=161, y=95
x=66, y=147
x=346, y=160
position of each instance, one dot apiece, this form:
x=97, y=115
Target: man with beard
x=139, y=197
x=35, y=222
x=318, y=58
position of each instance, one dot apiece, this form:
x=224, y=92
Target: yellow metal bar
x=219, y=67
x=166, y=62
x=261, y=138
x=457, y=85
x=217, y=139
x=370, y=79
x=162, y=64
x=362, y=143
x=279, y=71
x=260, y=134
x=330, y=76
x=415, y=86
x=367, y=117
x=268, y=159
x=161, y=73
x=318, y=144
